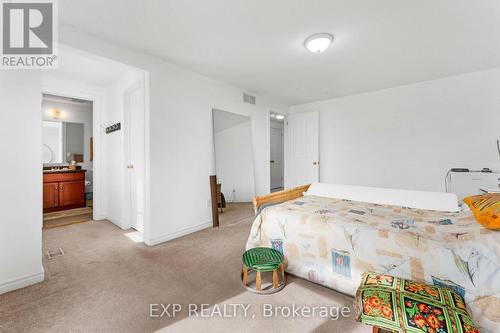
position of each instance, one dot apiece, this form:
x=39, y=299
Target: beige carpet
x=67, y=217
x=105, y=282
x=236, y=212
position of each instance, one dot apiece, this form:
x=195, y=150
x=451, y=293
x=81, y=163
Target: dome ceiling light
x=318, y=43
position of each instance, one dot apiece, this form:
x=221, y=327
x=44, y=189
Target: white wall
x=75, y=113
x=21, y=184
x=408, y=137
x=181, y=137
x=234, y=156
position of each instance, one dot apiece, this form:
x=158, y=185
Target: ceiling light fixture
x=317, y=43
x=277, y=116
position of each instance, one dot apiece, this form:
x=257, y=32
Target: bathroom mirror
x=234, y=165
x=63, y=142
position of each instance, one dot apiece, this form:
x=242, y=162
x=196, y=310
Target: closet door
x=302, y=149
x=135, y=149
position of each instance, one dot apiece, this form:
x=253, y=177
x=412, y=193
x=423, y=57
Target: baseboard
x=185, y=231
x=98, y=217
x=22, y=282
x=115, y=221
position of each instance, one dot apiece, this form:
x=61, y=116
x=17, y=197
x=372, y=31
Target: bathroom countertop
x=64, y=171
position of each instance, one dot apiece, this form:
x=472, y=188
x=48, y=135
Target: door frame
x=97, y=99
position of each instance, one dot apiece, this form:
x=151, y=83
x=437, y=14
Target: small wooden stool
x=260, y=260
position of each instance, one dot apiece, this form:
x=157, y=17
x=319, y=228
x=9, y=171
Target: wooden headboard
x=281, y=196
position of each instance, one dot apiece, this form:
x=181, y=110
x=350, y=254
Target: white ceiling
x=257, y=44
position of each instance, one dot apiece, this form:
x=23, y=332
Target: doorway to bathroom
x=107, y=172
x=67, y=133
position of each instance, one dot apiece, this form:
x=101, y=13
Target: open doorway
x=67, y=160
x=277, y=157
x=114, y=165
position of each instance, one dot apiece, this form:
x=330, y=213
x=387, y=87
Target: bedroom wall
x=21, y=185
x=234, y=154
x=409, y=136
x=181, y=136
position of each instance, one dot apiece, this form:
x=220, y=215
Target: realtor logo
x=29, y=31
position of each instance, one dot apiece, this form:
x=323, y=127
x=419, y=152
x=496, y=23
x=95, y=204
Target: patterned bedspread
x=333, y=241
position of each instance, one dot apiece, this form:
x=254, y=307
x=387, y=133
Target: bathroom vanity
x=63, y=189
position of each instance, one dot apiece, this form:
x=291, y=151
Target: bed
x=334, y=233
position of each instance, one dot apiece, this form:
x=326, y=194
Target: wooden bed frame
x=281, y=196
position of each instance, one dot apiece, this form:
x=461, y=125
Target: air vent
x=248, y=99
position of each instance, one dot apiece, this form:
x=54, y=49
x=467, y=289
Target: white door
x=134, y=102
x=301, y=149
x=277, y=157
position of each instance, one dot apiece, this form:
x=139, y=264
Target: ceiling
x=257, y=45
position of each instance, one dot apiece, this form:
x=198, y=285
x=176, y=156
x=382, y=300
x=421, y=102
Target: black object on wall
x=113, y=128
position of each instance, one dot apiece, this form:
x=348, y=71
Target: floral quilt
x=408, y=306
x=333, y=242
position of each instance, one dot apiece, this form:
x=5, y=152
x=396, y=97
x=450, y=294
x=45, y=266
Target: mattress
x=333, y=241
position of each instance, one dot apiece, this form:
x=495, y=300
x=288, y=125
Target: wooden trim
x=65, y=224
x=91, y=148
x=280, y=196
x=59, y=208
x=213, y=198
